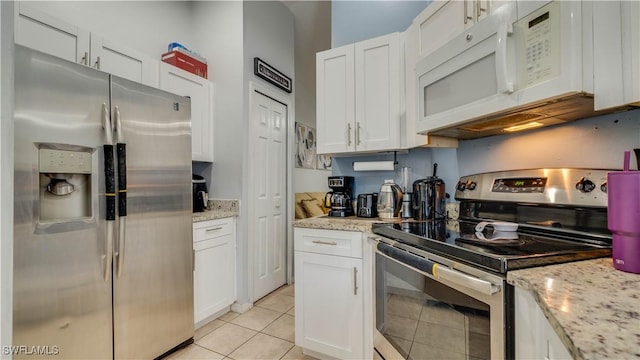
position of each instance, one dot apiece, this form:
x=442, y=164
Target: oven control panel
x=585, y=187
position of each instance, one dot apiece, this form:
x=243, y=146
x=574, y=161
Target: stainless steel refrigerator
x=103, y=223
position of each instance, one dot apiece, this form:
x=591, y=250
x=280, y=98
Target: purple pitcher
x=624, y=216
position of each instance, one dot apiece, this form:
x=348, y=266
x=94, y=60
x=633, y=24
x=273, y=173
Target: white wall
x=6, y=174
x=147, y=26
x=590, y=143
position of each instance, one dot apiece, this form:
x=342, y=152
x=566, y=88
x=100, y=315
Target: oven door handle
x=438, y=271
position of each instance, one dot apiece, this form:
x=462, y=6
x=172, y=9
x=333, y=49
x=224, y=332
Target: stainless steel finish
x=324, y=242
x=355, y=281
x=60, y=187
x=153, y=297
x=97, y=64
x=64, y=294
x=119, y=253
x=560, y=188
x=358, y=142
x=85, y=59
x=118, y=124
x=470, y=282
x=495, y=299
x=59, y=293
x=348, y=134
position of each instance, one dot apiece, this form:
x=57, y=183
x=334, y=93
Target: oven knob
x=603, y=187
x=461, y=186
x=472, y=186
x=585, y=185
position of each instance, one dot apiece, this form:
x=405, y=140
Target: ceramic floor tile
x=229, y=316
x=283, y=328
x=288, y=290
x=438, y=313
x=195, y=352
x=257, y=318
x=401, y=327
x=226, y=338
x=263, y=347
x=207, y=328
x=426, y=352
x=276, y=302
x=442, y=337
x=292, y=312
x=296, y=354
x=404, y=306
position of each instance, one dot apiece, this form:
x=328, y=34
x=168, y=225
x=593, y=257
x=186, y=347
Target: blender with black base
x=339, y=198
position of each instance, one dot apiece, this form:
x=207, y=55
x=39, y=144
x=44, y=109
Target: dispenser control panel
x=65, y=161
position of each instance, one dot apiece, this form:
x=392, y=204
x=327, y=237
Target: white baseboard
x=241, y=308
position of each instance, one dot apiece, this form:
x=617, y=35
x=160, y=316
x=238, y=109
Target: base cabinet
x=332, y=300
x=535, y=338
x=214, y=279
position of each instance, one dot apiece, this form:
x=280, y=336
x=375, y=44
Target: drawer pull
x=355, y=281
x=324, y=242
x=214, y=229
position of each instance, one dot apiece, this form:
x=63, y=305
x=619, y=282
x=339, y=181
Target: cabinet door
x=335, y=100
x=329, y=305
x=50, y=35
x=122, y=61
x=200, y=91
x=440, y=22
x=377, y=71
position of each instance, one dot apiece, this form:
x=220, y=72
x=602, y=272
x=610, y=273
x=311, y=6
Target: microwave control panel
x=540, y=45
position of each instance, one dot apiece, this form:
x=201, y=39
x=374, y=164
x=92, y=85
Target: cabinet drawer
x=330, y=242
x=212, y=229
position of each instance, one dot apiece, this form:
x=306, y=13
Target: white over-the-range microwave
x=511, y=72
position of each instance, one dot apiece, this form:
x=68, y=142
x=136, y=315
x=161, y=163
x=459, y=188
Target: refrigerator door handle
x=121, y=151
x=110, y=190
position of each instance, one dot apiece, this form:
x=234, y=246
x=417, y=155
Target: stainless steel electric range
x=441, y=288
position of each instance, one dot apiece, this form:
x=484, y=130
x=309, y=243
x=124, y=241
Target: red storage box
x=185, y=62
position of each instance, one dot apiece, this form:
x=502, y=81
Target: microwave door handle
x=502, y=74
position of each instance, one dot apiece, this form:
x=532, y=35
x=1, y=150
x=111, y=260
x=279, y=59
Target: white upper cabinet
x=43, y=32
x=443, y=20
x=616, y=54
x=200, y=90
x=358, y=96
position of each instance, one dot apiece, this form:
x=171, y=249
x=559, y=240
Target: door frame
x=255, y=87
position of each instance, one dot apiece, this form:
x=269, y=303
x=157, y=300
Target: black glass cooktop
x=496, y=251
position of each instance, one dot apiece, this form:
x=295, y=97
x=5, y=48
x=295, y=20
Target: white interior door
x=268, y=177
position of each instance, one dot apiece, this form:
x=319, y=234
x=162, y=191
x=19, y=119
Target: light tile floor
x=265, y=332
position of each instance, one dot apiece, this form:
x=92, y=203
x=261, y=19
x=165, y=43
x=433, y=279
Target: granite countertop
x=218, y=209
x=594, y=308
x=350, y=223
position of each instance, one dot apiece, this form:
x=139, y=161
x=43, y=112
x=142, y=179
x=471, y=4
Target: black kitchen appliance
x=367, y=205
x=200, y=193
x=428, y=197
x=340, y=197
x=456, y=270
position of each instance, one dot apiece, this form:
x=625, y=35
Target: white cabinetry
x=535, y=338
x=333, y=293
x=46, y=33
x=214, y=276
x=443, y=20
x=358, y=96
x=616, y=53
x=200, y=90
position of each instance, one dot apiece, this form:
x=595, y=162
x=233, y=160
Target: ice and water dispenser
x=65, y=184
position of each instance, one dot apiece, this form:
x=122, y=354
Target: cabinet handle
x=324, y=242
x=355, y=281
x=85, y=59
x=97, y=63
x=479, y=10
x=466, y=13
x=214, y=229
x=348, y=134
x=358, y=134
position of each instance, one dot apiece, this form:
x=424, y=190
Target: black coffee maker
x=200, y=193
x=340, y=196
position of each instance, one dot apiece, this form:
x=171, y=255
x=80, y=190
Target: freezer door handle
x=110, y=201
x=121, y=152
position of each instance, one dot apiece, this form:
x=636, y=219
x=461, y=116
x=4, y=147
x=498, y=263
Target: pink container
x=623, y=217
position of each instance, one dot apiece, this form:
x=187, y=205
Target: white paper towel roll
x=373, y=165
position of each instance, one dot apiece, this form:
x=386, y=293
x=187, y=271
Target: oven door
x=454, y=314
x=471, y=76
